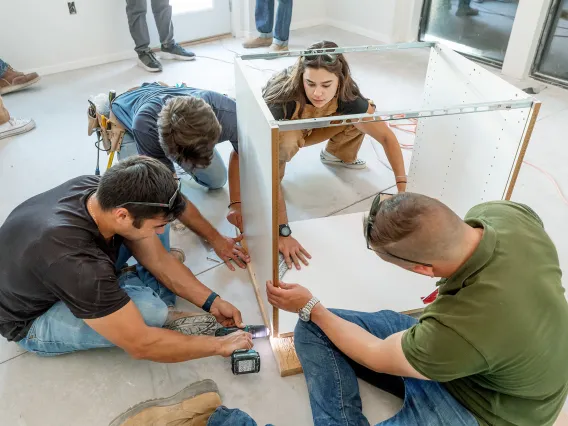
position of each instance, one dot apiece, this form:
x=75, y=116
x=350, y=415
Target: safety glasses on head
x=324, y=54
x=170, y=204
x=375, y=208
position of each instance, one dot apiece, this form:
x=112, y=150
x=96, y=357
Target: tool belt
x=110, y=130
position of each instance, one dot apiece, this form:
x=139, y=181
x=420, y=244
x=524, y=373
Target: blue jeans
x=58, y=331
x=3, y=67
x=224, y=416
x=213, y=176
x=264, y=16
x=332, y=379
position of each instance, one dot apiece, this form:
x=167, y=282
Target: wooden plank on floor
x=285, y=354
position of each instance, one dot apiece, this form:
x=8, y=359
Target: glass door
x=476, y=28
x=551, y=62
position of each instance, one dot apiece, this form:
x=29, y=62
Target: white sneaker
x=16, y=126
x=332, y=160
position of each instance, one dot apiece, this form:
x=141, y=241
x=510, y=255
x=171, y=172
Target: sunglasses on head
x=375, y=208
x=170, y=204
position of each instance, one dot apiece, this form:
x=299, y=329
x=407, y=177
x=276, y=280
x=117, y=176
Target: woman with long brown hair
x=322, y=86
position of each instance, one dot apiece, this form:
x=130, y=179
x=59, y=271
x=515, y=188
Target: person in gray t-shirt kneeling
x=182, y=126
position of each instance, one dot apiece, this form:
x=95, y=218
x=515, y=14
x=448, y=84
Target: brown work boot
x=191, y=323
x=253, y=43
x=13, y=80
x=191, y=406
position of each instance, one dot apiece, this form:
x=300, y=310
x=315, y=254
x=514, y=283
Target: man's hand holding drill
x=234, y=341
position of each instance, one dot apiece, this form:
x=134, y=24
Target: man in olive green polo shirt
x=490, y=350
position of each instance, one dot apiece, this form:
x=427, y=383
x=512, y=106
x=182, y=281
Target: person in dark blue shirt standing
x=182, y=126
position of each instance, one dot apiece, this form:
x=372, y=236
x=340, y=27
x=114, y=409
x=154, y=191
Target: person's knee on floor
x=82, y=227
x=448, y=357
x=154, y=311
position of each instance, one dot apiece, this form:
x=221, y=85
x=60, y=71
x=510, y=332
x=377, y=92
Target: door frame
x=550, y=24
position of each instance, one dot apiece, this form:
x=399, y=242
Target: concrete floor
x=91, y=388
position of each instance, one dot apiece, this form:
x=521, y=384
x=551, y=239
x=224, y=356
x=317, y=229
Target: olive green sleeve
x=439, y=353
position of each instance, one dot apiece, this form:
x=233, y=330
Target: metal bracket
x=337, y=50
x=342, y=120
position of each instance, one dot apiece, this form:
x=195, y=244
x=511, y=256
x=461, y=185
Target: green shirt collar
x=482, y=254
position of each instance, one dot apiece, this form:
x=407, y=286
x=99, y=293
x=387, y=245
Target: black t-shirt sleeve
x=282, y=111
x=87, y=285
x=145, y=132
x=358, y=106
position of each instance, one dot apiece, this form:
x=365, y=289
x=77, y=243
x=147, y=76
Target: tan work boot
x=191, y=323
x=274, y=48
x=253, y=43
x=191, y=406
x=13, y=80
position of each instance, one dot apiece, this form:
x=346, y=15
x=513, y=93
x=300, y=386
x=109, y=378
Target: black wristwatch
x=285, y=230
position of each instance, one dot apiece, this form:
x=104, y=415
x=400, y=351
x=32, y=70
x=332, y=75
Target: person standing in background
x=136, y=13
x=12, y=81
x=264, y=17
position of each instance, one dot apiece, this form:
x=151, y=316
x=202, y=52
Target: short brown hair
x=140, y=179
x=414, y=226
x=189, y=130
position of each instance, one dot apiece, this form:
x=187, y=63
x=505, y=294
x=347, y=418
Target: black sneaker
x=149, y=62
x=175, y=51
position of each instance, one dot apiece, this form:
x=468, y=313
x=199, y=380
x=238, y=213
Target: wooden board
x=464, y=160
x=523, y=149
x=256, y=155
x=344, y=274
x=285, y=354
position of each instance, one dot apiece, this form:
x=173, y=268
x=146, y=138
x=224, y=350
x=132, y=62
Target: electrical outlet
x=72, y=8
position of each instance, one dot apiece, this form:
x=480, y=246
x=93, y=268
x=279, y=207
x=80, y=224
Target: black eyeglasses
x=170, y=204
x=375, y=207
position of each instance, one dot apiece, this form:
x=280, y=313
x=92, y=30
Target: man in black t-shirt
x=61, y=256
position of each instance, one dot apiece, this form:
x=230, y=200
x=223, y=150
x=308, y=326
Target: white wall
x=40, y=35
x=389, y=21
x=372, y=18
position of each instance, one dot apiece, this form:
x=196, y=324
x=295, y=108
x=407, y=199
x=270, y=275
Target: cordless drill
x=245, y=361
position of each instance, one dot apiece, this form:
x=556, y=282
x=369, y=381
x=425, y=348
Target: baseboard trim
x=383, y=38
x=113, y=57
x=308, y=23
x=84, y=63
